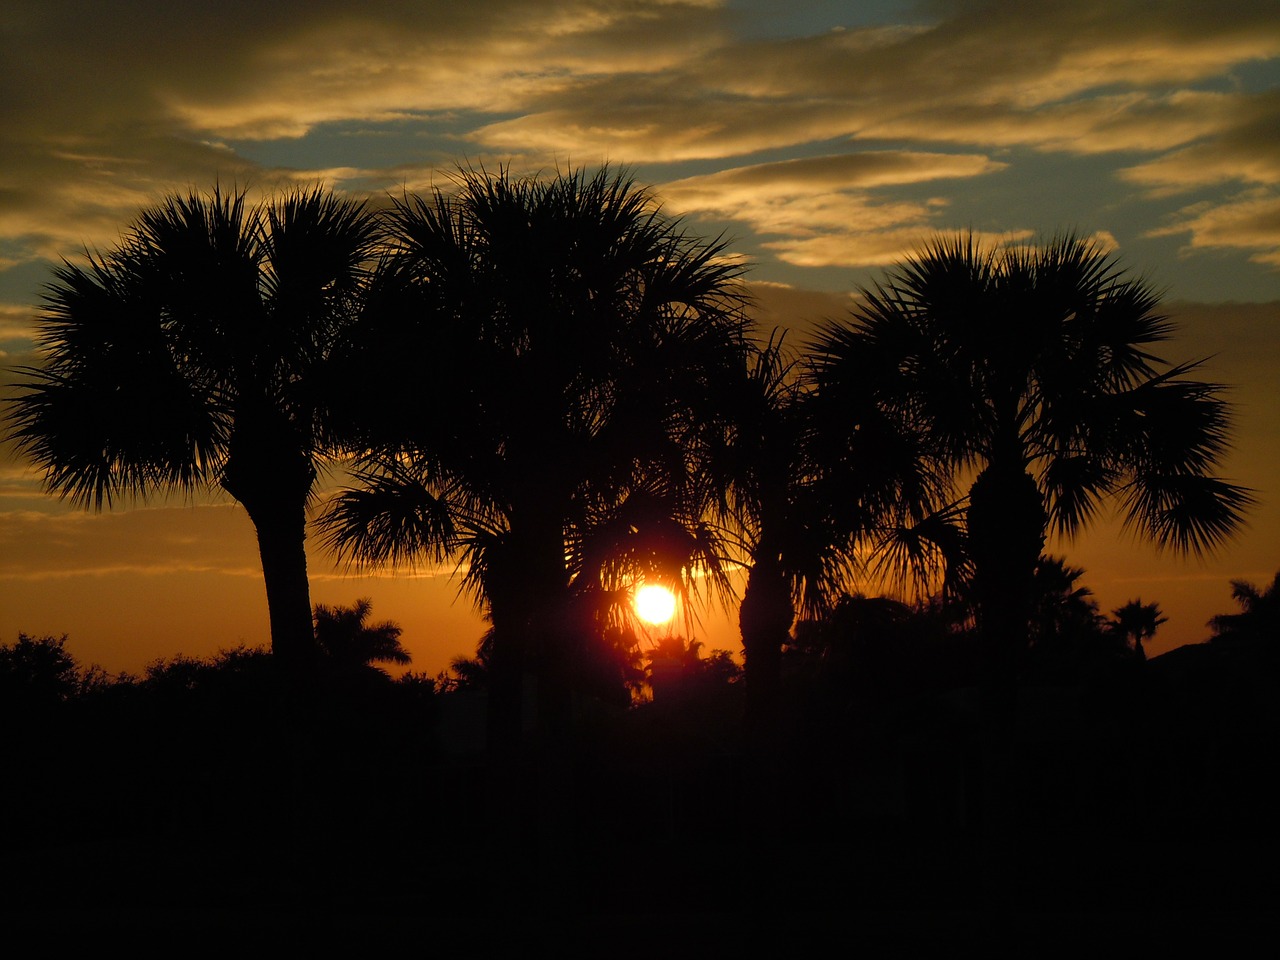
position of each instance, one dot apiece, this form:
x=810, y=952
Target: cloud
x=57, y=542
x=1249, y=221
x=1248, y=151
x=1070, y=76
x=17, y=322
x=107, y=106
x=825, y=209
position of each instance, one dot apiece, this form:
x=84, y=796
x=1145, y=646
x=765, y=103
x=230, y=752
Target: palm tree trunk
x=281, y=545
x=526, y=588
x=764, y=620
x=1006, y=537
x=506, y=681
x=271, y=476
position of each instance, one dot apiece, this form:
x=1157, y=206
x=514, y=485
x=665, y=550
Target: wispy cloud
x=825, y=207
x=1249, y=221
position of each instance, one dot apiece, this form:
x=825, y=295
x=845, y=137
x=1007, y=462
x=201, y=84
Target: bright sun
x=655, y=604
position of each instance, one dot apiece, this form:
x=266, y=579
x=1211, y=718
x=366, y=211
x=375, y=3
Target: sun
x=655, y=604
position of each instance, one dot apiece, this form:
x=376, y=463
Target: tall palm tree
x=1029, y=369
x=808, y=496
x=537, y=359
x=191, y=356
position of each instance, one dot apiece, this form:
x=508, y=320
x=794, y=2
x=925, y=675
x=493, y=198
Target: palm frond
x=390, y=519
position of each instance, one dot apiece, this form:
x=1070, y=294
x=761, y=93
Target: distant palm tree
x=347, y=640
x=192, y=355
x=1029, y=369
x=1136, y=622
x=538, y=357
x=1259, y=616
x=1061, y=609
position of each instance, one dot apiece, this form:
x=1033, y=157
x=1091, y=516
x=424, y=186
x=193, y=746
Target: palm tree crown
x=191, y=355
x=1030, y=370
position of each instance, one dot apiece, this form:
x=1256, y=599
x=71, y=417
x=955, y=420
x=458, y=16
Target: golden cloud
x=821, y=207
x=105, y=108
x=1250, y=221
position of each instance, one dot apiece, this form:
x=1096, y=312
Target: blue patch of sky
x=1255, y=76
x=1054, y=192
x=769, y=19
x=24, y=282
x=435, y=139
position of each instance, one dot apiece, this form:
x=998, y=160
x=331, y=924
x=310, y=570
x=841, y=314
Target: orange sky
x=131, y=585
x=824, y=139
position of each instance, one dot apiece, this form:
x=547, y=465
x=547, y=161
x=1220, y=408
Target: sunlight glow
x=655, y=604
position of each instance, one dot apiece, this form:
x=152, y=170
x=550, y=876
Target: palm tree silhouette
x=1258, y=619
x=348, y=641
x=539, y=357
x=1136, y=622
x=1062, y=609
x=1028, y=368
x=792, y=528
x=803, y=495
x=192, y=355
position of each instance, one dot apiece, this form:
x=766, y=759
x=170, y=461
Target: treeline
x=221, y=787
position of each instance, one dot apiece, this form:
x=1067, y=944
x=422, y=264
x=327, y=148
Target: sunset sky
x=824, y=139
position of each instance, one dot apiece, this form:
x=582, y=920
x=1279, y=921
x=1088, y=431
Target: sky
x=823, y=140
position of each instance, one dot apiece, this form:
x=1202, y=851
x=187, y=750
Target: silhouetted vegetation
x=192, y=355
x=1136, y=788
x=347, y=641
x=1031, y=365
x=1257, y=621
x=576, y=337
x=553, y=384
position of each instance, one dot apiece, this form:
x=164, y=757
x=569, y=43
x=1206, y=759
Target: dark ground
x=1131, y=810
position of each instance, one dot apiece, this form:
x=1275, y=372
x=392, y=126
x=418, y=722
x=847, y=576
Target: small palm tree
x=1062, y=610
x=1029, y=369
x=1136, y=622
x=192, y=356
x=1259, y=616
x=347, y=640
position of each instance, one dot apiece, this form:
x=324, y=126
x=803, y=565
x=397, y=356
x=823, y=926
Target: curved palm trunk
x=764, y=620
x=273, y=481
x=281, y=539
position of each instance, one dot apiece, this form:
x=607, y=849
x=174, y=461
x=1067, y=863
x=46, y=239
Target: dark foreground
x=1133, y=809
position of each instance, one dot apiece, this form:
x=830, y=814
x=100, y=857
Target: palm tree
x=1137, y=622
x=1029, y=370
x=1062, y=611
x=191, y=356
x=1259, y=616
x=537, y=360
x=347, y=640
x=806, y=494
